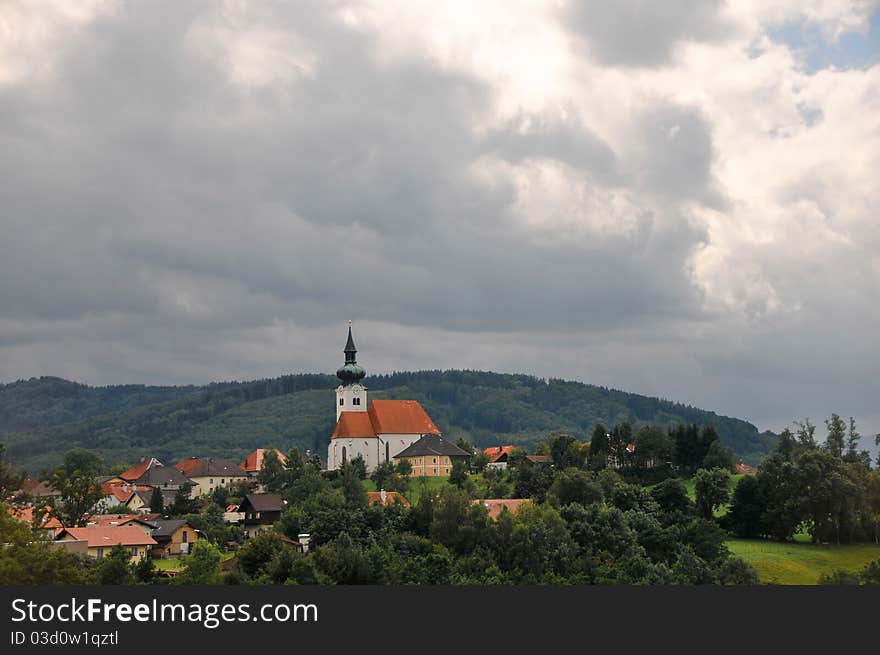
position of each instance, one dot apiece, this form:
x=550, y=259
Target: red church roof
x=385, y=417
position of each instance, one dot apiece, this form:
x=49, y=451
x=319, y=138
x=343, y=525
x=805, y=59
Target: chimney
x=304, y=540
x=383, y=495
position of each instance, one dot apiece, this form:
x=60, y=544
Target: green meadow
x=800, y=563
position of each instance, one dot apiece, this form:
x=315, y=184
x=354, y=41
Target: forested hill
x=42, y=418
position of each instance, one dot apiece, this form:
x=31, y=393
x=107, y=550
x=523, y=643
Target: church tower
x=351, y=395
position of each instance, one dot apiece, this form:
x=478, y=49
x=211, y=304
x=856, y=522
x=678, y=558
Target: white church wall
x=372, y=449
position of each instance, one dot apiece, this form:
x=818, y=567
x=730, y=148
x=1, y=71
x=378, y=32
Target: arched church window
x=343, y=455
x=386, y=452
x=342, y=401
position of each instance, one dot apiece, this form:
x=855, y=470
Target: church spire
x=350, y=351
x=350, y=371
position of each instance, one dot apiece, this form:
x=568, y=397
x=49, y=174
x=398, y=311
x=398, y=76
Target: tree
x=746, y=516
x=144, y=571
x=294, y=465
x=350, y=482
x=719, y=456
x=597, y=458
x=202, y=566
x=575, y=486
x=115, y=567
x=156, y=503
x=184, y=503
x=853, y=439
x=834, y=442
x=712, y=487
x=10, y=482
x=382, y=475
x=359, y=466
x=565, y=450
x=806, y=433
x=459, y=473
x=272, y=473
x=672, y=497
x=77, y=489
x=653, y=447
x=25, y=560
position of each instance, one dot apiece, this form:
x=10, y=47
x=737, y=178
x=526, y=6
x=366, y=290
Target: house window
x=435, y=471
x=211, y=481
x=222, y=481
x=434, y=461
x=183, y=536
x=356, y=401
x=100, y=553
x=134, y=551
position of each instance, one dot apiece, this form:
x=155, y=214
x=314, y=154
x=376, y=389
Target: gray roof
x=263, y=502
x=432, y=444
x=166, y=527
x=215, y=466
x=162, y=476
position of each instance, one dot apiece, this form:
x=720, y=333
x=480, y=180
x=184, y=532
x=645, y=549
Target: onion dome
x=350, y=372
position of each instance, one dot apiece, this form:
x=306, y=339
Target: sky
x=676, y=199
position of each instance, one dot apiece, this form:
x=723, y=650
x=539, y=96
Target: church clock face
x=356, y=391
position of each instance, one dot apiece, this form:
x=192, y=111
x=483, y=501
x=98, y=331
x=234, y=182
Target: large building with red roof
x=376, y=431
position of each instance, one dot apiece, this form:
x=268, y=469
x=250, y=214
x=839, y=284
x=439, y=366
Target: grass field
x=800, y=563
x=176, y=563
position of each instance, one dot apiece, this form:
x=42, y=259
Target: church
x=376, y=431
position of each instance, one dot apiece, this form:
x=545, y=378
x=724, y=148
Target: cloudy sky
x=675, y=198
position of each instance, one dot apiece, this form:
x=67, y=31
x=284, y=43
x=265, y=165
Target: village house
x=385, y=498
x=141, y=498
x=496, y=505
x=173, y=537
x=253, y=463
x=431, y=456
x=208, y=473
x=151, y=472
x=37, y=488
x=498, y=456
x=101, y=540
x=48, y=526
x=115, y=520
x=261, y=511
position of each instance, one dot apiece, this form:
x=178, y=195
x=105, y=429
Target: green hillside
x=230, y=419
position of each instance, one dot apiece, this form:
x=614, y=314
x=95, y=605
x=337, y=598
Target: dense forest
x=42, y=418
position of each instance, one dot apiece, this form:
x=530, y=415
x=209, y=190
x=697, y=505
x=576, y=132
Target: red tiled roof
x=745, y=468
x=139, y=469
x=26, y=514
x=497, y=452
x=354, y=424
x=400, y=417
x=107, y=537
x=110, y=520
x=37, y=488
x=391, y=497
x=253, y=463
x=385, y=417
x=496, y=505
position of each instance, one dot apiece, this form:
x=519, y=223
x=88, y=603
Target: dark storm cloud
x=166, y=219
x=639, y=33
x=347, y=188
